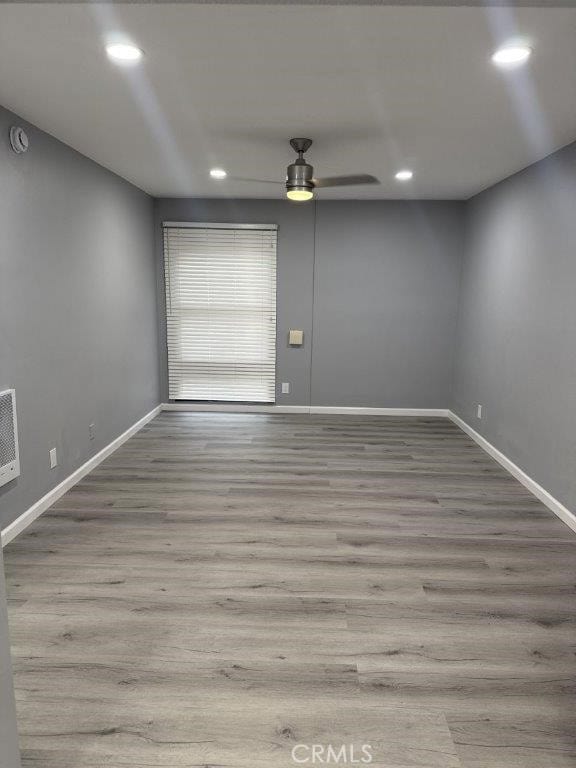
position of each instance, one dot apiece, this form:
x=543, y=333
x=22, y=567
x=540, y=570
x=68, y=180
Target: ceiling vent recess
x=9, y=455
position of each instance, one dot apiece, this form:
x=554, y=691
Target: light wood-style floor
x=227, y=586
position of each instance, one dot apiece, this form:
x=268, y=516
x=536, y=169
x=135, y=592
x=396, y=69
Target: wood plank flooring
x=227, y=586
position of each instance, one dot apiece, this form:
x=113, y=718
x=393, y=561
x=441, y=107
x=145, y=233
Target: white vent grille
x=9, y=458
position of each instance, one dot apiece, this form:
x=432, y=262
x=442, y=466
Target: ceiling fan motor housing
x=299, y=175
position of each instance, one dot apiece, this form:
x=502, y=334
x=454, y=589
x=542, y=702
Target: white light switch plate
x=53, y=458
x=285, y=387
x=295, y=337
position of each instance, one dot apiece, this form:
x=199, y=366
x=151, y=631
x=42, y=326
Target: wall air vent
x=9, y=456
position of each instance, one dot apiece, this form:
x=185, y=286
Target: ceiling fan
x=300, y=180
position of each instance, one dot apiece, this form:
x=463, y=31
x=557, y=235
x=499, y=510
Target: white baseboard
x=22, y=522
x=535, y=488
x=312, y=409
x=353, y=411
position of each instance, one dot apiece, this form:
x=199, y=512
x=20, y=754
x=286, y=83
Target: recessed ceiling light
x=218, y=173
x=404, y=175
x=124, y=53
x=511, y=55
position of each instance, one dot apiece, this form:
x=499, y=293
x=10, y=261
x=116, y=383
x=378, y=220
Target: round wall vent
x=18, y=139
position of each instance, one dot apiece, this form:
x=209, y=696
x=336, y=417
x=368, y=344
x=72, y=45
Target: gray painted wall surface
x=9, y=754
x=516, y=351
x=295, y=268
x=78, y=327
x=385, y=303
x=370, y=279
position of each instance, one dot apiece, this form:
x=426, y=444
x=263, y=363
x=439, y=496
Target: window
x=221, y=311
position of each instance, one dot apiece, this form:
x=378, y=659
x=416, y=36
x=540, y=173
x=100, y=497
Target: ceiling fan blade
x=254, y=181
x=346, y=181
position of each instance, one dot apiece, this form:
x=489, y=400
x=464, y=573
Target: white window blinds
x=221, y=312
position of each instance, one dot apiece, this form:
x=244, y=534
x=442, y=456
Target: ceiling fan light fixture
x=299, y=194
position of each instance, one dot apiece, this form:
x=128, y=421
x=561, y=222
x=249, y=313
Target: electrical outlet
x=92, y=431
x=479, y=411
x=53, y=458
x=285, y=387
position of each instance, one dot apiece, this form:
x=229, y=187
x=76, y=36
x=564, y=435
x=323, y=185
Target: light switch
x=295, y=338
x=285, y=387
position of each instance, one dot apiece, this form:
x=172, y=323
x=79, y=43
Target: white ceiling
x=377, y=88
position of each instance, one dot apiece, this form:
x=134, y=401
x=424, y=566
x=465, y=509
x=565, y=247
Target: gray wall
x=385, y=303
x=374, y=286
x=516, y=352
x=9, y=757
x=78, y=328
